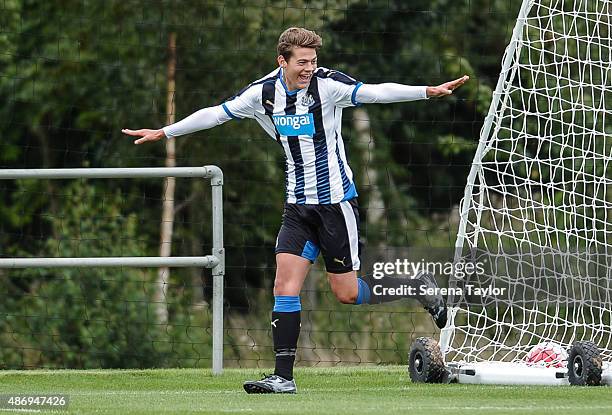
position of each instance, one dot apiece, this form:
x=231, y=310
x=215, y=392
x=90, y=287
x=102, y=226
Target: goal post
x=537, y=207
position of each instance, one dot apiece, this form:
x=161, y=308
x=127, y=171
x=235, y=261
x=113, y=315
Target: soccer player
x=300, y=106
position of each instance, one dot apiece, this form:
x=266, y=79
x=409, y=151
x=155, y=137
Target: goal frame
x=497, y=372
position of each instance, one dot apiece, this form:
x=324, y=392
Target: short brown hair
x=297, y=37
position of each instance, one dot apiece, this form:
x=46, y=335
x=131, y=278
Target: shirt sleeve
x=200, y=120
x=244, y=104
x=342, y=88
x=388, y=93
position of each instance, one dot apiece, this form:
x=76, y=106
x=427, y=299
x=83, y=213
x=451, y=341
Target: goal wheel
x=584, y=364
x=426, y=364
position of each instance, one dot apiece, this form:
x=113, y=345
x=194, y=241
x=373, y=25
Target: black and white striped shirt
x=307, y=124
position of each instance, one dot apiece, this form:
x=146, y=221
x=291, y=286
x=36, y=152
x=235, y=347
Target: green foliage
x=75, y=72
x=423, y=149
x=85, y=318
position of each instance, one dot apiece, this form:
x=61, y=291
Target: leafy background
x=73, y=73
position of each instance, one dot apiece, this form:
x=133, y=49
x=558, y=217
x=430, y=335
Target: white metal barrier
x=216, y=260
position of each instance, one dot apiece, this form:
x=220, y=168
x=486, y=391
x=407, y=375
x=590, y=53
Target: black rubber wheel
x=584, y=364
x=425, y=363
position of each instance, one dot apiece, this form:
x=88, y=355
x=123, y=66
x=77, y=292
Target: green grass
x=346, y=390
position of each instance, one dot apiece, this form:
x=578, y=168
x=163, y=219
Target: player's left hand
x=446, y=88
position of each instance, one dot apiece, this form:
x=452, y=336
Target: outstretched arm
x=391, y=92
x=200, y=120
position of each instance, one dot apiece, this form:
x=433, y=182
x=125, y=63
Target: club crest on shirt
x=308, y=100
x=292, y=125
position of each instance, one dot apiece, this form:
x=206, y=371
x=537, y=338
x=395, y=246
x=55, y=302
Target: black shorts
x=331, y=229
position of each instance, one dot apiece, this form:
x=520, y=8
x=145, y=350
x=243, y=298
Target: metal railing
x=216, y=260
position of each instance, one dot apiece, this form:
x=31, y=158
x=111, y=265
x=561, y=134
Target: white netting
x=541, y=205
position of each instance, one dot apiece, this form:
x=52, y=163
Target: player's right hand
x=145, y=135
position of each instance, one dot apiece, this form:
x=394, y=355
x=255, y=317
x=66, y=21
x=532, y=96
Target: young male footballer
x=300, y=106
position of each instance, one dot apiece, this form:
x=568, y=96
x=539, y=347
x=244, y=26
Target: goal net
x=537, y=211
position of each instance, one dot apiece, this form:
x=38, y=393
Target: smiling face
x=299, y=68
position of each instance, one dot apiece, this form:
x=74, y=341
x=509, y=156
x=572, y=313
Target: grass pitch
x=350, y=391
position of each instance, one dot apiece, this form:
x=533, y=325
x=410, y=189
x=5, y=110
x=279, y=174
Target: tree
x=425, y=147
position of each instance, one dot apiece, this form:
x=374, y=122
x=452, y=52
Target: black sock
x=403, y=288
x=285, y=332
